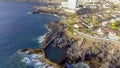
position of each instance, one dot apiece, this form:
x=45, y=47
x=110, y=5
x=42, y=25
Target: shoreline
x=94, y=53
x=41, y=50
x=50, y=10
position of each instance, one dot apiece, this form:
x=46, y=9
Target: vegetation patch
x=115, y=25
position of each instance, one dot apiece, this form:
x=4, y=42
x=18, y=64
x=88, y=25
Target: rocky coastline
x=97, y=54
x=50, y=10
x=52, y=30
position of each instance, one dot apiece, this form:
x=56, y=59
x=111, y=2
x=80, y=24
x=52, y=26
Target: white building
x=71, y=4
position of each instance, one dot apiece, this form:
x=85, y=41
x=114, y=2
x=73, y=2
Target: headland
x=73, y=39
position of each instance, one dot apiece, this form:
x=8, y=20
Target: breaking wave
x=40, y=39
x=36, y=61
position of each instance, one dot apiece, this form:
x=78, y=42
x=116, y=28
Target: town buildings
x=73, y=4
x=114, y=1
x=89, y=3
x=108, y=33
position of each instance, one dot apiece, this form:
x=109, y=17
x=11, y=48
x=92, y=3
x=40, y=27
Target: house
x=78, y=25
x=95, y=24
x=111, y=34
x=107, y=30
x=101, y=16
x=112, y=20
x=105, y=23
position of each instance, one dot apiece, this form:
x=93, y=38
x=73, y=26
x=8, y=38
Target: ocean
x=19, y=30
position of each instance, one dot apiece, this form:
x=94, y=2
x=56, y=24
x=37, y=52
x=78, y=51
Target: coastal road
x=92, y=38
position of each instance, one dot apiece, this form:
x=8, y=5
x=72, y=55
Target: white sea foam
x=40, y=39
x=80, y=65
x=48, y=28
x=26, y=60
x=36, y=61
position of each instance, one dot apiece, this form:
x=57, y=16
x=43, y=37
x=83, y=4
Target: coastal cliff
x=78, y=49
x=65, y=45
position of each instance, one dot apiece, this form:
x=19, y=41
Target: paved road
x=92, y=38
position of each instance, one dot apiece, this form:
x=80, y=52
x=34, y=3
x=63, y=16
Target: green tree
x=72, y=22
x=115, y=25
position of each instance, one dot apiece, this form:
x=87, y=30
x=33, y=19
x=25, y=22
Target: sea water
x=19, y=30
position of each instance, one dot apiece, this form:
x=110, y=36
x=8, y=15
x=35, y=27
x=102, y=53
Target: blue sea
x=19, y=30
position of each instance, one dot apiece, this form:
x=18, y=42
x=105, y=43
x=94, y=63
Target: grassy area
x=72, y=22
x=115, y=25
x=69, y=32
x=70, y=29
